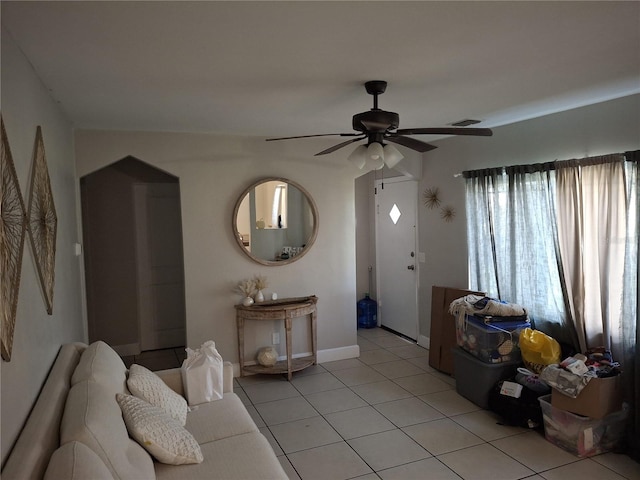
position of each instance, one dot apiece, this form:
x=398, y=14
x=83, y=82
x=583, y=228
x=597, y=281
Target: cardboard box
x=599, y=398
x=442, y=337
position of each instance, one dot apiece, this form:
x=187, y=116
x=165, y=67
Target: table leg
x=240, y=326
x=287, y=325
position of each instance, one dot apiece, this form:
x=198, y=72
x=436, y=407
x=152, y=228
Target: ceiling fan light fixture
x=375, y=152
x=392, y=156
x=375, y=163
x=358, y=157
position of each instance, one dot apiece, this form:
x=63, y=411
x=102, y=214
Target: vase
x=259, y=296
x=247, y=301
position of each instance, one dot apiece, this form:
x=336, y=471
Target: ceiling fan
x=378, y=126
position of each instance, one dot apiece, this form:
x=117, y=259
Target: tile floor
x=388, y=415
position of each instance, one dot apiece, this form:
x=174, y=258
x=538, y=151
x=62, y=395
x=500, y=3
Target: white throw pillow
x=159, y=433
x=148, y=386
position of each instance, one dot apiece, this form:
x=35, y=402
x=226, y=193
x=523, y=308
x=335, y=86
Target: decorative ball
x=267, y=356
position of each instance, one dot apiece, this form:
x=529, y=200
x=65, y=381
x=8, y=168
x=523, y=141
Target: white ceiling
x=294, y=68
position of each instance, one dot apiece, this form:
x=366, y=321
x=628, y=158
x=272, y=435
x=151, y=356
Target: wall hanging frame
x=12, y=235
x=42, y=222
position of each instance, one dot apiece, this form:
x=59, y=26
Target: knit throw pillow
x=159, y=433
x=146, y=385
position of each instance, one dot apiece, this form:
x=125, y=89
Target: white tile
x=272, y=441
x=358, y=375
x=255, y=416
x=431, y=468
x=487, y=425
x=358, y=422
x=311, y=370
x=393, y=341
x=371, y=357
x=342, y=364
x=304, y=434
x=388, y=449
x=337, y=461
x=270, y=391
x=484, y=462
x=397, y=369
x=365, y=344
x=287, y=410
x=410, y=351
x=408, y=411
x=422, y=384
x=442, y=436
x=379, y=392
x=532, y=450
x=449, y=402
x=581, y=470
x=316, y=383
x=253, y=379
x=288, y=468
x=335, y=400
x=622, y=464
x=423, y=363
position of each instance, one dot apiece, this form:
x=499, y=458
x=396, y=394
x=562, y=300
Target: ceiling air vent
x=464, y=123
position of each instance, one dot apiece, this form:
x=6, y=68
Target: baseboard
x=424, y=341
x=127, y=350
x=341, y=353
x=328, y=355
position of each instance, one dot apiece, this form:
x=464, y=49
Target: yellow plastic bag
x=538, y=350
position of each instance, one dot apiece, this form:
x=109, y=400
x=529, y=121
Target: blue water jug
x=367, y=312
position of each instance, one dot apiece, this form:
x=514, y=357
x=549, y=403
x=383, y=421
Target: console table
x=286, y=309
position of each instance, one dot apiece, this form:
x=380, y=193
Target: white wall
x=608, y=127
x=213, y=171
x=25, y=105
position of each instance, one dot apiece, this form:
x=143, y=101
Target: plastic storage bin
x=491, y=342
x=367, y=312
x=475, y=379
x=582, y=436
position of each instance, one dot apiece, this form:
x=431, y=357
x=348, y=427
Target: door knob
x=411, y=267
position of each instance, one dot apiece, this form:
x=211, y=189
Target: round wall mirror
x=275, y=221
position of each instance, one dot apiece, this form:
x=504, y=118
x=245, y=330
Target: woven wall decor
x=42, y=222
x=12, y=233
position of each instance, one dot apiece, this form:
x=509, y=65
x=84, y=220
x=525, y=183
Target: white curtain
x=592, y=224
x=629, y=333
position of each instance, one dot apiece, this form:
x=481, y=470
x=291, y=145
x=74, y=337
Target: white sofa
x=76, y=429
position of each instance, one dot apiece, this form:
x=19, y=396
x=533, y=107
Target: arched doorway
x=134, y=265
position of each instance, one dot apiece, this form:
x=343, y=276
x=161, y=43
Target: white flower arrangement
x=260, y=282
x=246, y=287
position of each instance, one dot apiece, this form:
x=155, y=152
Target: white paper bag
x=202, y=374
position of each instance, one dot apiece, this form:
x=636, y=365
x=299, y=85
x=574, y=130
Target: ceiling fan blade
x=319, y=135
x=412, y=143
x=484, y=132
x=340, y=145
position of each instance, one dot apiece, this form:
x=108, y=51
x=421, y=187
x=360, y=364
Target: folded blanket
x=477, y=305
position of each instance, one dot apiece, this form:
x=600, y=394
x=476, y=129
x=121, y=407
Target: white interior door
x=396, y=255
x=161, y=303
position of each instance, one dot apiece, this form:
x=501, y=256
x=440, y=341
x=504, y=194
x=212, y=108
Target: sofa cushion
x=219, y=419
x=100, y=363
x=241, y=457
x=158, y=432
x=92, y=416
x=76, y=461
x=146, y=385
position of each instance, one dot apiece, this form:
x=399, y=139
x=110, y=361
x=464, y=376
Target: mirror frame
x=310, y=241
